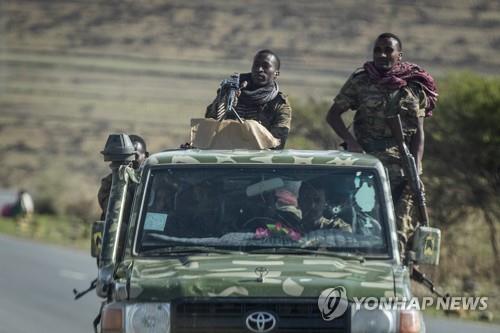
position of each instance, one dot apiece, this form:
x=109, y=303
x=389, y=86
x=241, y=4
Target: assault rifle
x=410, y=168
x=421, y=278
x=228, y=88
x=425, y=238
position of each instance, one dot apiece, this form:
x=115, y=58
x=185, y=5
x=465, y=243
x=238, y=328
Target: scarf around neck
x=251, y=97
x=399, y=76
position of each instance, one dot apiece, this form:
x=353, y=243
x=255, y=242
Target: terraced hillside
x=73, y=71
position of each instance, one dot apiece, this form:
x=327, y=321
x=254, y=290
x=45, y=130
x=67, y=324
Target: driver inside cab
x=311, y=206
x=312, y=203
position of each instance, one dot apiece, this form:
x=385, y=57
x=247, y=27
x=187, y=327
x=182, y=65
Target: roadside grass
x=65, y=231
x=465, y=269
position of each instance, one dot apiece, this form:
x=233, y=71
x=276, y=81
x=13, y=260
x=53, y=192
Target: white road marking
x=65, y=273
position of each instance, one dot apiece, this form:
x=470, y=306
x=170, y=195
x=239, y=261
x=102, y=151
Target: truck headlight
x=112, y=318
x=411, y=321
x=373, y=321
x=386, y=321
x=148, y=318
x=136, y=318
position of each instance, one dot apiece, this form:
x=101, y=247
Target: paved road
x=36, y=283
x=35, y=292
x=443, y=325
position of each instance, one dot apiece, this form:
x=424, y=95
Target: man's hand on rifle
x=243, y=85
x=238, y=93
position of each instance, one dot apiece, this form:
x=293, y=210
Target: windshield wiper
x=292, y=250
x=186, y=250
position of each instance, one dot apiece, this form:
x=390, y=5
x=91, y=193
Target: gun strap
x=393, y=103
x=393, y=109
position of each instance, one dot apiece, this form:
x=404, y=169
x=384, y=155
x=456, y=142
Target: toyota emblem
x=261, y=322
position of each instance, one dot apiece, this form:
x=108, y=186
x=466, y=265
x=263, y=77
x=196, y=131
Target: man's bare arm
x=417, y=144
x=334, y=119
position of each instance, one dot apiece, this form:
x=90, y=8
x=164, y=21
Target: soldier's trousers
x=406, y=221
x=404, y=205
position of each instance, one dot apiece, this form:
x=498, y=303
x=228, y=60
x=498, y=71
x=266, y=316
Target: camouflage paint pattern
x=233, y=275
x=120, y=179
x=373, y=103
x=240, y=156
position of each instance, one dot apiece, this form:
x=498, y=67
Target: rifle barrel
x=409, y=167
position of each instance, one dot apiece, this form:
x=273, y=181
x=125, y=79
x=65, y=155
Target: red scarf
x=399, y=76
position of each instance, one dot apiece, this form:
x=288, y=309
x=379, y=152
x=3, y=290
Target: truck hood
x=216, y=275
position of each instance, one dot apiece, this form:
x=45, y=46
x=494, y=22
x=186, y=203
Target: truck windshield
x=258, y=208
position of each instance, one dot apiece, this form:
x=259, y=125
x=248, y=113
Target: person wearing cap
x=141, y=154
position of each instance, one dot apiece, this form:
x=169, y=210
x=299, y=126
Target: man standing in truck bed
x=383, y=87
x=141, y=153
x=259, y=98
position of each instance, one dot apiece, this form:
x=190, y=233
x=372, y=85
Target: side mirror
x=96, y=238
x=427, y=245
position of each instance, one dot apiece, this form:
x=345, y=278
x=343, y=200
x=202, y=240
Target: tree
x=309, y=127
x=463, y=150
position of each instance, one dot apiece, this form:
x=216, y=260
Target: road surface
x=36, y=281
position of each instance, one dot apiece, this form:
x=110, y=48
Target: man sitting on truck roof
x=259, y=98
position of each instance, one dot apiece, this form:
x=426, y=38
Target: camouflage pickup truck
x=249, y=241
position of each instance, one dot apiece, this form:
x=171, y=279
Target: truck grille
x=229, y=315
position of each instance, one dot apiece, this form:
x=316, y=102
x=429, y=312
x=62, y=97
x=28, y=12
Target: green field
x=71, y=72
x=50, y=229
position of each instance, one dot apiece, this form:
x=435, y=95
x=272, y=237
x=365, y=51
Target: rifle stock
x=410, y=168
x=421, y=278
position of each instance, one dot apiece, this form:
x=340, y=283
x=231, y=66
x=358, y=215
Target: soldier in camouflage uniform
x=259, y=98
x=384, y=87
x=141, y=154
